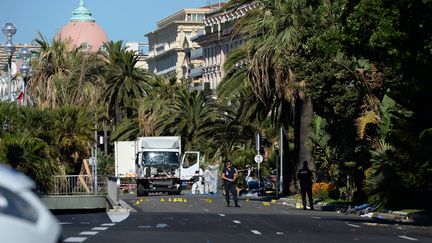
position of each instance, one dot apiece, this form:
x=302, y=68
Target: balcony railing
x=196, y=72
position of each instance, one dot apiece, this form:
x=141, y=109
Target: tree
x=125, y=82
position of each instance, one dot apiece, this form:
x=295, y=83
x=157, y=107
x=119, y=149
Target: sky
x=127, y=20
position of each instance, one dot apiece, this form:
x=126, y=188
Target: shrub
x=322, y=190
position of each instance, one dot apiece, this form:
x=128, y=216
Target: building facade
x=141, y=50
x=17, y=81
x=218, y=40
x=171, y=41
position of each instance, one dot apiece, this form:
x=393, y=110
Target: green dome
x=82, y=14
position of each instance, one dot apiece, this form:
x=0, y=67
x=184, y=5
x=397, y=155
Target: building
x=217, y=41
x=170, y=42
x=16, y=82
x=83, y=30
x=141, y=49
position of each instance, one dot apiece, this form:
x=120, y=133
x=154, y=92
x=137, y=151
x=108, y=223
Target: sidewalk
x=417, y=218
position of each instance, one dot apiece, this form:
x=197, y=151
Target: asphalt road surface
x=206, y=219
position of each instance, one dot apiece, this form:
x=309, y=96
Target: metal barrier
x=78, y=185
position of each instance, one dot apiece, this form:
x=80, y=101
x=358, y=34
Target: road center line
x=407, y=238
x=88, y=233
x=65, y=223
x=222, y=215
x=75, y=239
x=108, y=224
x=256, y=232
x=236, y=221
x=353, y=225
x=99, y=228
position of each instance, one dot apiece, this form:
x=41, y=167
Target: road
x=206, y=219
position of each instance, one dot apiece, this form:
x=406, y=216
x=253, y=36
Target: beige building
x=217, y=41
x=170, y=42
x=141, y=49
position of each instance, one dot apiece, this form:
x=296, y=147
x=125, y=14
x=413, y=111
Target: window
x=12, y=204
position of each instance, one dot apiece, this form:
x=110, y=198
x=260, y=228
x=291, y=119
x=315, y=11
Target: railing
x=78, y=185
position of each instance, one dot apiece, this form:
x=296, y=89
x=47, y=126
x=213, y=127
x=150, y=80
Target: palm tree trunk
x=302, y=121
x=287, y=170
x=304, y=149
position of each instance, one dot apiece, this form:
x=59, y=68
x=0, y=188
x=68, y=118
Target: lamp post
x=9, y=30
x=24, y=53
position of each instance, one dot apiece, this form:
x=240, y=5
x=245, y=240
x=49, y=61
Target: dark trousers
x=306, y=189
x=230, y=188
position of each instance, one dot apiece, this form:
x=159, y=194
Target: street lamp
x=24, y=53
x=9, y=30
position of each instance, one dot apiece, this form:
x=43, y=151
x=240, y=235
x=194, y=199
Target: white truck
x=160, y=165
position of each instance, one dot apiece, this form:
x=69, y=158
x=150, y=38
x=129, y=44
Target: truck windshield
x=161, y=158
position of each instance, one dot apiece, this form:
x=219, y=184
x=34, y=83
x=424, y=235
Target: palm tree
x=50, y=66
x=189, y=114
x=73, y=130
x=65, y=75
x=29, y=155
x=267, y=62
x=125, y=82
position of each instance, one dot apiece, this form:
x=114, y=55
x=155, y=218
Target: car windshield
x=161, y=158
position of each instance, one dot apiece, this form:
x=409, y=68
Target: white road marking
x=222, y=215
x=117, y=216
x=108, y=224
x=353, y=225
x=66, y=223
x=236, y=221
x=145, y=226
x=88, y=233
x=75, y=239
x=316, y=217
x=256, y=232
x=407, y=238
x=99, y=228
x=205, y=209
x=279, y=233
x=161, y=225
x=85, y=223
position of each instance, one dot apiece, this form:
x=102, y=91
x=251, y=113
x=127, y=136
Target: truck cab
x=161, y=166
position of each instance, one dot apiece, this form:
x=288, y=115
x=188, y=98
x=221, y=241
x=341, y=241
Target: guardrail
x=78, y=185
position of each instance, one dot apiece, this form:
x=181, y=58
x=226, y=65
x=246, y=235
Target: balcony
x=197, y=53
x=196, y=72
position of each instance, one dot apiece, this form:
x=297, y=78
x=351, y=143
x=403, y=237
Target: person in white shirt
x=207, y=180
x=214, y=170
x=197, y=182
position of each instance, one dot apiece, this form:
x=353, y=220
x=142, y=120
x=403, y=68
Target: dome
x=83, y=30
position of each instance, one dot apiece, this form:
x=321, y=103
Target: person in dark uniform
x=229, y=175
x=305, y=177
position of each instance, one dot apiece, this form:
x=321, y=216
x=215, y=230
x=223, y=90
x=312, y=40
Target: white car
x=23, y=217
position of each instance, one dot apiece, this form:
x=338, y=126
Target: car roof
x=14, y=180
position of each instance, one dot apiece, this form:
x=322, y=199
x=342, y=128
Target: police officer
x=229, y=175
x=305, y=177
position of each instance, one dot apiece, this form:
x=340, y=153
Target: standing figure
x=305, y=177
x=197, y=182
x=207, y=181
x=229, y=175
x=214, y=170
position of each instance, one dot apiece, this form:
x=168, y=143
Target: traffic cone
x=169, y=200
x=184, y=200
x=162, y=200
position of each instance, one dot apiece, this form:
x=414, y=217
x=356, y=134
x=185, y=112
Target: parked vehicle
x=160, y=165
x=23, y=216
